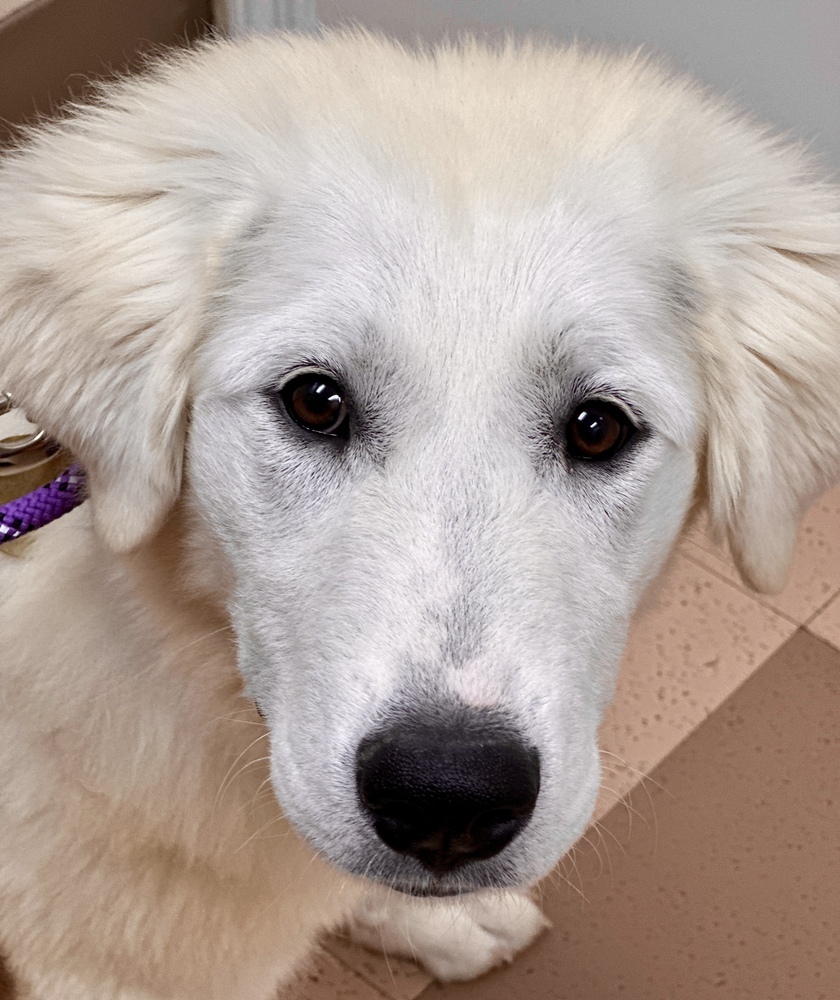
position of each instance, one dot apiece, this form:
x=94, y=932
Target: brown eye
x=316, y=403
x=598, y=430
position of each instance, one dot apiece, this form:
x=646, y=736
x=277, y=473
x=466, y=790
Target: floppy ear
x=771, y=348
x=111, y=222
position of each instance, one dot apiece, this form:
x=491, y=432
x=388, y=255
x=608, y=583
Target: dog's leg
x=453, y=939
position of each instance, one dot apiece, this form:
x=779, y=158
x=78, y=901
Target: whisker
x=274, y=819
x=564, y=879
x=644, y=782
x=225, y=781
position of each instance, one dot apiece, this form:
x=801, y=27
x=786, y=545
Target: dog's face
x=449, y=371
x=444, y=458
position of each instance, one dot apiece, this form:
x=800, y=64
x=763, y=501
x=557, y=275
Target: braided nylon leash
x=43, y=505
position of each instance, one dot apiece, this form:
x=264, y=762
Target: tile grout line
x=822, y=639
x=746, y=592
x=355, y=974
x=348, y=973
x=687, y=548
x=821, y=608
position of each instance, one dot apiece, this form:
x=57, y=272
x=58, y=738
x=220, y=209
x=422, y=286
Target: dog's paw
x=453, y=939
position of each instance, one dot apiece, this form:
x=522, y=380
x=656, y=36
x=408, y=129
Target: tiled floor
x=714, y=867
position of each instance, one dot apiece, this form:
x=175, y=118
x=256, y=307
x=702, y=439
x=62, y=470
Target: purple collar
x=43, y=505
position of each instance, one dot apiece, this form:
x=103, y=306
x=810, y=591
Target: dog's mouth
x=430, y=891
x=431, y=885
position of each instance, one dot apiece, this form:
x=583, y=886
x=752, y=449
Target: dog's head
x=450, y=347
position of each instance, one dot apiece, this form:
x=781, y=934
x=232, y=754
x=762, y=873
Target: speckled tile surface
x=699, y=639
x=727, y=881
x=815, y=574
x=826, y=624
x=397, y=978
x=329, y=979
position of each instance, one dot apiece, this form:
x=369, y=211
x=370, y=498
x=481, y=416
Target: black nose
x=447, y=794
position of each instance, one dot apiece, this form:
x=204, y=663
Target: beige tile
x=328, y=979
x=697, y=545
x=815, y=574
x=396, y=978
x=701, y=638
x=826, y=625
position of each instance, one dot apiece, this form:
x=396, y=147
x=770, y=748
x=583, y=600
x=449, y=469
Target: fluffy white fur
x=475, y=239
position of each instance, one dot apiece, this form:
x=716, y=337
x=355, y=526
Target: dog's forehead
x=377, y=247
x=390, y=239
x=361, y=269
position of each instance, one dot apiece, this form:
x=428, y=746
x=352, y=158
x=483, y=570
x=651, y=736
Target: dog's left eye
x=598, y=430
x=316, y=402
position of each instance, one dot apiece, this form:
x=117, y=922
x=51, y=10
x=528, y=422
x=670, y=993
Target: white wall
x=240, y=17
x=779, y=58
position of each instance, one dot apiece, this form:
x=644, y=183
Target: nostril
x=495, y=824
x=398, y=824
x=448, y=794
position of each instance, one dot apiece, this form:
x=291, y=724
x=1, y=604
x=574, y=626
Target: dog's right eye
x=316, y=402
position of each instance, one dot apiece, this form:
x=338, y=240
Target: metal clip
x=20, y=453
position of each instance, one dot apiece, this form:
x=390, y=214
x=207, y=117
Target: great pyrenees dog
x=396, y=375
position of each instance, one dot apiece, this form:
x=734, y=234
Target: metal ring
x=33, y=440
x=8, y=448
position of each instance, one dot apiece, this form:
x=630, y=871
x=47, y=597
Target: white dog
x=395, y=376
